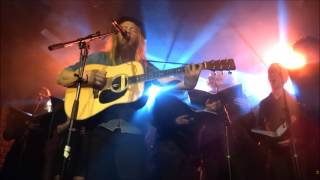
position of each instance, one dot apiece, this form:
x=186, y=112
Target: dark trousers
x=116, y=156
x=170, y=162
x=279, y=164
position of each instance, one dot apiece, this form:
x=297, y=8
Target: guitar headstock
x=220, y=65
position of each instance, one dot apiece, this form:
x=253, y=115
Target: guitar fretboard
x=218, y=65
x=156, y=75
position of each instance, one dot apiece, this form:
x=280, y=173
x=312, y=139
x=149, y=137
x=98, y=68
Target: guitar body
x=117, y=90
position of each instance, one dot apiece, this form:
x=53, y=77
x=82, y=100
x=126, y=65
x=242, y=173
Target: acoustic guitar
x=125, y=84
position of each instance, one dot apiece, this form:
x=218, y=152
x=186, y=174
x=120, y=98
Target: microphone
x=120, y=30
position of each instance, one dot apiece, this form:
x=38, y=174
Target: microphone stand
x=227, y=121
x=79, y=40
x=294, y=153
x=227, y=136
x=84, y=47
x=293, y=147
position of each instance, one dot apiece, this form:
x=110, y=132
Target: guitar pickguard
x=107, y=96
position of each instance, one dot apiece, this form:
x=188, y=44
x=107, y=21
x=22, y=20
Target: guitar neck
x=157, y=75
x=214, y=65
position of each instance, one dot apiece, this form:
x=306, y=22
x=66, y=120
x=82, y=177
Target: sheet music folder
x=278, y=133
x=18, y=120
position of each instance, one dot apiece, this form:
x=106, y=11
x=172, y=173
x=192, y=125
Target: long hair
x=112, y=45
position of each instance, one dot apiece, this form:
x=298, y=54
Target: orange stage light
x=286, y=56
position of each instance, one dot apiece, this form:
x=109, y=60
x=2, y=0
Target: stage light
x=152, y=93
x=286, y=56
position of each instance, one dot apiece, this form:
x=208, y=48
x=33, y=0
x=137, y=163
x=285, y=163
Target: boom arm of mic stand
x=79, y=40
